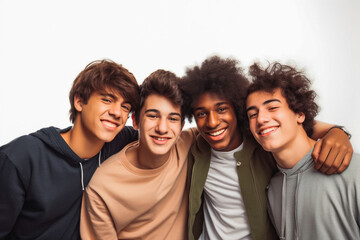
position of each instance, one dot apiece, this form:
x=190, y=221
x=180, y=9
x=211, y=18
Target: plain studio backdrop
x=45, y=44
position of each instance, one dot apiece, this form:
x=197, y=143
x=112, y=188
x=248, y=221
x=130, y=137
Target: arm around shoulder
x=332, y=153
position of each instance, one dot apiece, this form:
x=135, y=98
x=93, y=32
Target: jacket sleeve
x=95, y=222
x=12, y=195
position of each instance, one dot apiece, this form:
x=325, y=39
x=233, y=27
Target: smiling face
x=273, y=124
x=102, y=117
x=216, y=121
x=159, y=126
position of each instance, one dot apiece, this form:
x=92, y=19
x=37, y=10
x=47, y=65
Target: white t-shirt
x=224, y=210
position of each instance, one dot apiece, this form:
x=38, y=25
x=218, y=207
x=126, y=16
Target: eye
x=252, y=114
x=200, y=114
x=126, y=107
x=273, y=108
x=174, y=119
x=222, y=109
x=106, y=100
x=151, y=116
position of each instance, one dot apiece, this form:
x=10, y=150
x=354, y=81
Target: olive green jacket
x=255, y=167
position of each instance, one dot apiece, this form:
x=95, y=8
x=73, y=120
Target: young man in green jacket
x=230, y=170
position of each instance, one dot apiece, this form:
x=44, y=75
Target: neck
x=84, y=146
x=142, y=159
x=288, y=156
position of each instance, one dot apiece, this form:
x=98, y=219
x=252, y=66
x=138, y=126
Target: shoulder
x=21, y=147
x=127, y=132
x=252, y=150
x=187, y=137
x=127, y=135
x=354, y=168
x=113, y=164
x=189, y=134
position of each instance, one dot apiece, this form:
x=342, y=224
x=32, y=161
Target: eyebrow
x=264, y=103
x=217, y=105
x=158, y=112
x=104, y=94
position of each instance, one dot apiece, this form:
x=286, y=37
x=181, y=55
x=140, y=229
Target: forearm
x=320, y=129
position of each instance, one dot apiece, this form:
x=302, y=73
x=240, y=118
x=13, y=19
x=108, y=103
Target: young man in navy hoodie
x=43, y=174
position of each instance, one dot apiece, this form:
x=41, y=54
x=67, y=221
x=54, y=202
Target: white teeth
x=217, y=133
x=112, y=125
x=267, y=130
x=160, y=139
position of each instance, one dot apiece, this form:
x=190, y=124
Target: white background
x=45, y=44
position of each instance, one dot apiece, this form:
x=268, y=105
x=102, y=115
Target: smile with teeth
x=217, y=133
x=263, y=132
x=160, y=138
x=109, y=124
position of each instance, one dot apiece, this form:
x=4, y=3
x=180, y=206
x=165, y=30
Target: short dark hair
x=222, y=76
x=163, y=83
x=100, y=75
x=294, y=85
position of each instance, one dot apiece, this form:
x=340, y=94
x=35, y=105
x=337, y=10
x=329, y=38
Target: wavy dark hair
x=100, y=75
x=163, y=83
x=222, y=76
x=294, y=85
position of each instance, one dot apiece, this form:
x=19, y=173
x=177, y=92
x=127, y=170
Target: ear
x=300, y=118
x=78, y=103
x=135, y=124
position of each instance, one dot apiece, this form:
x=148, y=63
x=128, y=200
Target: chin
x=218, y=147
x=268, y=148
x=107, y=138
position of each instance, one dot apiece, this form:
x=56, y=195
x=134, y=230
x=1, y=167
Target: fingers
x=322, y=161
x=334, y=167
x=332, y=157
x=345, y=163
x=315, y=153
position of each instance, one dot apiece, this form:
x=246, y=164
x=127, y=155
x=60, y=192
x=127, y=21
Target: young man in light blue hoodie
x=302, y=203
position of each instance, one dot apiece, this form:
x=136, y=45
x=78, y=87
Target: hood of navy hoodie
x=52, y=138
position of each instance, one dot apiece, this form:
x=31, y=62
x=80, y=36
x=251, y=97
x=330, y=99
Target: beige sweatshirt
x=125, y=202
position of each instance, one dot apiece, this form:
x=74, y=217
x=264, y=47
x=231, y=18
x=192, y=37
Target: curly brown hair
x=294, y=85
x=100, y=75
x=222, y=76
x=163, y=83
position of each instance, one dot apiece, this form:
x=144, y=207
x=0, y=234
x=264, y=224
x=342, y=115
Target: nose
x=263, y=117
x=162, y=126
x=213, y=120
x=115, y=110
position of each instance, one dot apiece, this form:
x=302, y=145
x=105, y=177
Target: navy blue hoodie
x=42, y=181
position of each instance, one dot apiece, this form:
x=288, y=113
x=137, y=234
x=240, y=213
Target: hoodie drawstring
x=283, y=208
x=296, y=200
x=283, y=205
x=82, y=176
x=82, y=171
